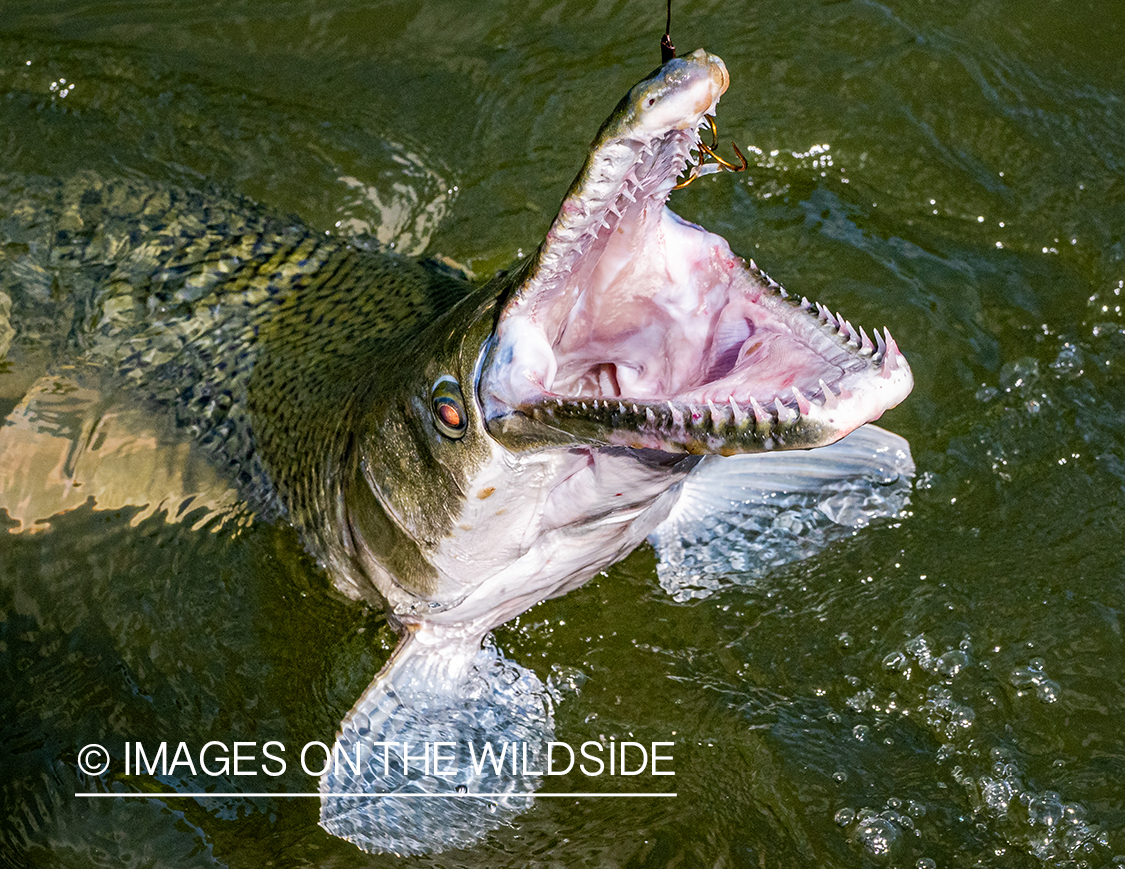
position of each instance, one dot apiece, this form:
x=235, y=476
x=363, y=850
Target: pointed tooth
x=677, y=415
x=650, y=417
x=890, y=358
x=760, y=413
x=620, y=408
x=805, y=302
x=853, y=334
x=739, y=413
x=717, y=416
x=865, y=344
x=636, y=410
x=784, y=413
x=803, y=405
x=831, y=402
x=880, y=344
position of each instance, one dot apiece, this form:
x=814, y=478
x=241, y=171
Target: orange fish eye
x=449, y=408
x=449, y=414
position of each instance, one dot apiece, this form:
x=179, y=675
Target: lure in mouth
x=633, y=327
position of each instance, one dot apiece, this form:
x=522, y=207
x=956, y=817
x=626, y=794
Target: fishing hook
x=700, y=169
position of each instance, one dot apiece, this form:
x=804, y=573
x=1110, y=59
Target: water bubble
x=861, y=700
x=877, y=836
x=1019, y=374
x=1069, y=360
x=925, y=863
x=1033, y=676
x=565, y=681
x=919, y=649
x=960, y=718
x=860, y=732
x=996, y=795
x=914, y=809
x=844, y=817
x=1045, y=810
x=840, y=776
x=952, y=663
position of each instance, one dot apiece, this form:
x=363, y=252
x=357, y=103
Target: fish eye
x=449, y=407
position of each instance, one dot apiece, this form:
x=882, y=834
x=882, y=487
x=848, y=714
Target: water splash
x=935, y=688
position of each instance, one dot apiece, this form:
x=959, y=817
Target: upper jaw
x=636, y=328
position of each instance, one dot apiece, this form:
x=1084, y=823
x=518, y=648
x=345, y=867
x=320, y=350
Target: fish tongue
x=471, y=707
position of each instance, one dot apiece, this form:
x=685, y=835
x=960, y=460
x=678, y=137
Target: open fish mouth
x=634, y=327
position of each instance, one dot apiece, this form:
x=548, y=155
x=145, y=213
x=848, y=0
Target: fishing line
x=667, y=49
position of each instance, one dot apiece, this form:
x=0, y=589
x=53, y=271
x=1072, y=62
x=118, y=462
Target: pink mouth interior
x=637, y=305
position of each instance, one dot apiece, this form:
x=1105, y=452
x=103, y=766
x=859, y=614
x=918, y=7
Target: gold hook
x=730, y=167
x=691, y=177
x=709, y=150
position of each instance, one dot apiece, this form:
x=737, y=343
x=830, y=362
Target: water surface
x=942, y=689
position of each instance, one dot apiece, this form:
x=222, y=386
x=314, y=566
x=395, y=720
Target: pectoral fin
x=436, y=752
x=738, y=517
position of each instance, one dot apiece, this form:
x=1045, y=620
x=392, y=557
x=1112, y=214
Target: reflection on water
x=64, y=446
x=943, y=690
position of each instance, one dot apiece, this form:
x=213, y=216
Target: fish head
x=557, y=409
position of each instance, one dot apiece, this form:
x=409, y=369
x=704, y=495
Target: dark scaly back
x=345, y=339
x=261, y=336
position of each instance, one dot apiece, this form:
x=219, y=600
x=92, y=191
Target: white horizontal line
x=406, y=796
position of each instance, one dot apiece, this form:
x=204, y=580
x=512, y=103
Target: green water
x=945, y=687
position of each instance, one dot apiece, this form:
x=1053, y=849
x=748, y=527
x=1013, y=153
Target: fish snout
x=677, y=96
x=716, y=71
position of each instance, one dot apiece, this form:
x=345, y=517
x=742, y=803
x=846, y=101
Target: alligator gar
x=456, y=452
